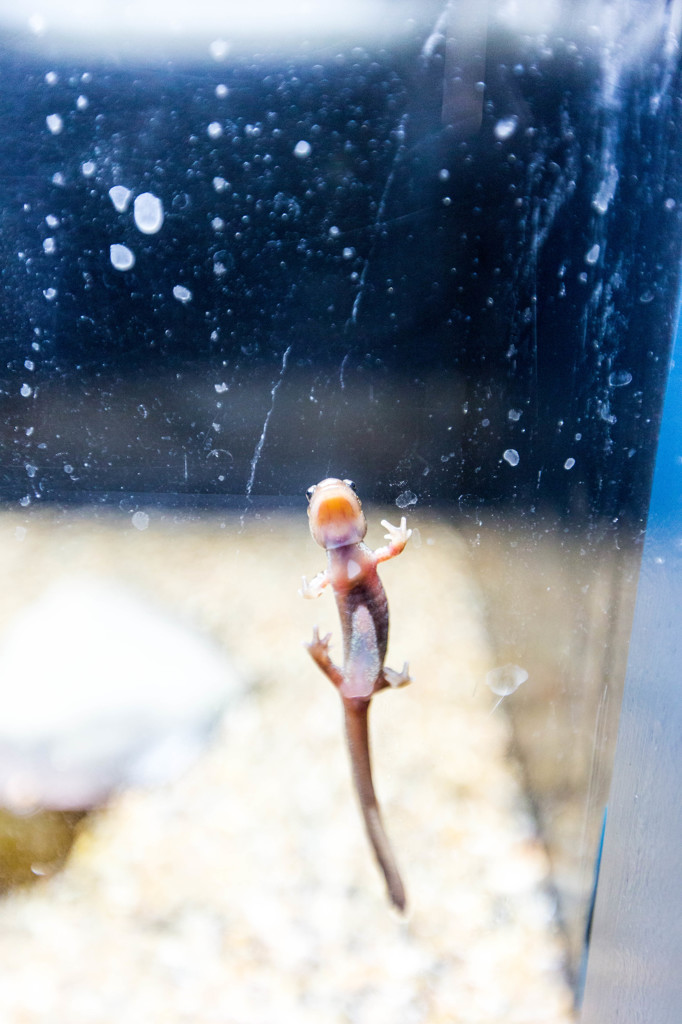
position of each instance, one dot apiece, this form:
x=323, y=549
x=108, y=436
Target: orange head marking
x=335, y=514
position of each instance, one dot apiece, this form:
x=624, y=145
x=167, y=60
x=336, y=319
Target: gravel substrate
x=245, y=892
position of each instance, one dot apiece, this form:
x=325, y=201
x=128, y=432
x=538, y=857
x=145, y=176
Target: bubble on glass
x=82, y=102
x=54, y=123
x=140, y=520
x=181, y=293
x=219, y=184
x=405, y=499
x=49, y=246
x=221, y=91
x=592, y=254
x=214, y=130
x=122, y=258
x=50, y=293
x=511, y=456
x=302, y=149
x=348, y=253
x=569, y=463
x=148, y=213
x=25, y=390
x=444, y=174
x=120, y=197
x=620, y=378
x=88, y=168
x=505, y=127
x=514, y=415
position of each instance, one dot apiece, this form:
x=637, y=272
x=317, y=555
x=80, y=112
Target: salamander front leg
x=318, y=649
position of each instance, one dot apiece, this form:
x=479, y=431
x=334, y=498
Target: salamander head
x=335, y=514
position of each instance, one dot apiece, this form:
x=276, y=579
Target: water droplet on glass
x=181, y=293
x=214, y=130
x=506, y=679
x=619, y=378
x=88, y=168
x=511, y=456
x=140, y=520
x=148, y=213
x=592, y=255
x=219, y=49
x=606, y=190
x=25, y=390
x=54, y=123
x=122, y=258
x=505, y=128
x=120, y=197
x=569, y=463
x=302, y=149
x=406, y=499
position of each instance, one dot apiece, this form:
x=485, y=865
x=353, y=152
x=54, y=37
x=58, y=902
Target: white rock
x=100, y=690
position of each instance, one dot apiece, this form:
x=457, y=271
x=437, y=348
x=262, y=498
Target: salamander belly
x=363, y=662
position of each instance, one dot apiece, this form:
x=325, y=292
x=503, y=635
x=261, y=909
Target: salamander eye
x=311, y=490
x=349, y=483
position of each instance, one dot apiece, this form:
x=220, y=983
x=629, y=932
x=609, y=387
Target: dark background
x=449, y=316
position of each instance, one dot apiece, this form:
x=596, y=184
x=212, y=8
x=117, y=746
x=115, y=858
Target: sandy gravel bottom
x=244, y=892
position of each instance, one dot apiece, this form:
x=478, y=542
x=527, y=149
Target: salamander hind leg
x=390, y=678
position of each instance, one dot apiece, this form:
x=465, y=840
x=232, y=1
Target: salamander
x=338, y=524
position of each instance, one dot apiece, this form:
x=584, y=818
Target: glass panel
x=244, y=250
